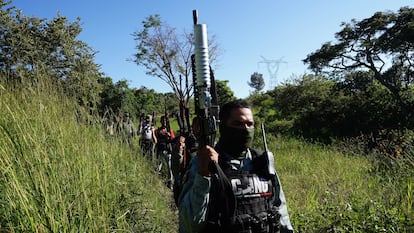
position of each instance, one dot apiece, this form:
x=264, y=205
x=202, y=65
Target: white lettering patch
x=250, y=185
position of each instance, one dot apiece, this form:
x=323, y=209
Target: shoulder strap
x=222, y=207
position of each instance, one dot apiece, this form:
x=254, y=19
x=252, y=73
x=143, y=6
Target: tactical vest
x=147, y=132
x=253, y=191
x=162, y=135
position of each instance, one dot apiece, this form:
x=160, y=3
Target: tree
x=165, y=54
x=109, y=101
x=32, y=48
x=147, y=100
x=224, y=93
x=383, y=45
x=256, y=82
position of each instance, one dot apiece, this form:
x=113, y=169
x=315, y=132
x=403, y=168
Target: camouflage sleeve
x=280, y=204
x=193, y=200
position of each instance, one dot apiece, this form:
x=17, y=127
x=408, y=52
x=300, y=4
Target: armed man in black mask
x=253, y=200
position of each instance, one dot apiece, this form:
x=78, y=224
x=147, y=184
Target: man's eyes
x=250, y=124
x=243, y=124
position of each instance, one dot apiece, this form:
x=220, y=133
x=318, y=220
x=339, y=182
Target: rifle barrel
x=195, y=16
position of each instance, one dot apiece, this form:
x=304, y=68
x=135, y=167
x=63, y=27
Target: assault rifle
x=182, y=119
x=205, y=96
x=166, y=116
x=206, y=108
x=154, y=120
x=191, y=147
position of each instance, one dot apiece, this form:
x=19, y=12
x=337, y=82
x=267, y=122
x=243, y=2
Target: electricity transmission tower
x=272, y=68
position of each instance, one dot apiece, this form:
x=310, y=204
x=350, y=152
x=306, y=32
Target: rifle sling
x=222, y=210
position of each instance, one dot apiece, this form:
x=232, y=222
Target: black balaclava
x=235, y=141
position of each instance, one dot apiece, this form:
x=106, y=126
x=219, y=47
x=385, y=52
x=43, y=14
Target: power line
x=272, y=68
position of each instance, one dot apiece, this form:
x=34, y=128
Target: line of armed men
x=158, y=143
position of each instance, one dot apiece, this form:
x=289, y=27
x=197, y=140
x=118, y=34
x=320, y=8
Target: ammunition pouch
x=260, y=223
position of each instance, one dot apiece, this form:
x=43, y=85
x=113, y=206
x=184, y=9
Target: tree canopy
x=32, y=48
x=224, y=93
x=382, y=44
x=166, y=54
x=256, y=82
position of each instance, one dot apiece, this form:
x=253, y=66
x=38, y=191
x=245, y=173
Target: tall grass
x=61, y=176
x=329, y=192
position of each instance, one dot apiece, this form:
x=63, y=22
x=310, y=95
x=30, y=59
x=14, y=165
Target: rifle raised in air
x=166, y=116
x=205, y=96
x=206, y=108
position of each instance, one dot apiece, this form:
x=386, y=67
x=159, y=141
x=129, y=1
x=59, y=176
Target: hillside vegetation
x=58, y=175
x=329, y=192
x=342, y=136
x=61, y=175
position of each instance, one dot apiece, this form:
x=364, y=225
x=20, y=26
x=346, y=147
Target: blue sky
x=250, y=33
